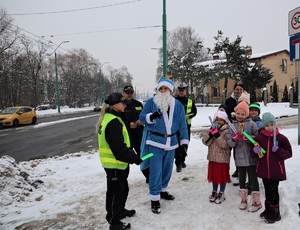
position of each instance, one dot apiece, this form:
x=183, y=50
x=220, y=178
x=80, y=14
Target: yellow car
x=18, y=115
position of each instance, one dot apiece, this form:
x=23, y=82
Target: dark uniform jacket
x=131, y=114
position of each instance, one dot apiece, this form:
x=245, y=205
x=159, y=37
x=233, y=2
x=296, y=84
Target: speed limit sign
x=294, y=21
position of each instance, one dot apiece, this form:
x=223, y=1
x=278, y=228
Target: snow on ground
x=68, y=192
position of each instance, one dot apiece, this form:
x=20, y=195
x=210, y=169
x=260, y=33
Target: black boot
x=264, y=214
x=166, y=196
x=155, y=206
x=273, y=215
x=119, y=226
x=127, y=213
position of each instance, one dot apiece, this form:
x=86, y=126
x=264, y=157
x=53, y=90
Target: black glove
x=155, y=115
x=138, y=161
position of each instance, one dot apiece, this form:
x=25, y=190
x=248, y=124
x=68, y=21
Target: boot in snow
x=213, y=197
x=220, y=198
x=119, y=226
x=155, y=206
x=255, y=202
x=273, y=215
x=166, y=196
x=243, y=195
x=264, y=214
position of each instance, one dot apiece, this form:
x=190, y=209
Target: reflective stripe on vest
x=189, y=110
x=107, y=158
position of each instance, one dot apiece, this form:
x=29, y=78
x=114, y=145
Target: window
x=215, y=92
x=283, y=65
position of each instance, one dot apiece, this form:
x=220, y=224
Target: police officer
x=134, y=125
x=115, y=154
x=190, y=112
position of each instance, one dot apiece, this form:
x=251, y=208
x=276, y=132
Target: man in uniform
x=134, y=125
x=190, y=112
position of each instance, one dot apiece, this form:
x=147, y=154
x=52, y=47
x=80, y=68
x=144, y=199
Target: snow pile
x=16, y=183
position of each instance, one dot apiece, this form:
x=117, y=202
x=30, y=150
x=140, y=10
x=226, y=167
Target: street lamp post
x=100, y=86
x=164, y=28
x=56, y=77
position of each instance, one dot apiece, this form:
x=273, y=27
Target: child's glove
x=257, y=149
x=214, y=133
x=237, y=136
x=275, y=148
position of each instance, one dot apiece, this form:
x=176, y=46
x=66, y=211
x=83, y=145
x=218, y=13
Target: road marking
x=3, y=135
x=89, y=141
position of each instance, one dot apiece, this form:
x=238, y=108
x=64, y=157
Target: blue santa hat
x=163, y=81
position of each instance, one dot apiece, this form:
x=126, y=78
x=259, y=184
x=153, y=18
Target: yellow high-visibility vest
x=189, y=110
x=107, y=158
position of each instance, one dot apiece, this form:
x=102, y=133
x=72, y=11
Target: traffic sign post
x=294, y=33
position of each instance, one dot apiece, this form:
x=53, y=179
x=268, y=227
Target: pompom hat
x=243, y=106
x=163, y=81
x=222, y=115
x=268, y=118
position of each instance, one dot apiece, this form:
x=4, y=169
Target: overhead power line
x=74, y=10
x=108, y=30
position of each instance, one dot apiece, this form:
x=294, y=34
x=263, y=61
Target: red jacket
x=271, y=166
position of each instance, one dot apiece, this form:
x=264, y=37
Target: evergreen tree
x=275, y=92
x=285, y=96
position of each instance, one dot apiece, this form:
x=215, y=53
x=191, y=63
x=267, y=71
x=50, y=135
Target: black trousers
x=271, y=191
x=180, y=152
x=116, y=194
x=251, y=171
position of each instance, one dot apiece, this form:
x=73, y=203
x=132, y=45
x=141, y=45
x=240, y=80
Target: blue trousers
x=161, y=166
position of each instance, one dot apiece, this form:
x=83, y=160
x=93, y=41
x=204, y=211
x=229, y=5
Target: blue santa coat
x=175, y=124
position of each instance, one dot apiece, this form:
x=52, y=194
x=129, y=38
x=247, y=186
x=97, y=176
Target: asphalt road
x=57, y=136
x=50, y=137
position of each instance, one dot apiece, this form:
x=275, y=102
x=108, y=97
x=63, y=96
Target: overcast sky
x=263, y=24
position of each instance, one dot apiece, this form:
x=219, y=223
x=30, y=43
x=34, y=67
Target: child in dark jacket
x=254, y=112
x=271, y=165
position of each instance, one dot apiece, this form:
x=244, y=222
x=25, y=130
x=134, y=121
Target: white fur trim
x=148, y=118
x=164, y=83
x=155, y=197
x=184, y=142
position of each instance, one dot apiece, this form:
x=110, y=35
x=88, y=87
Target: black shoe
x=119, y=226
x=183, y=165
x=178, y=168
x=155, y=207
x=166, y=196
x=235, y=174
x=127, y=213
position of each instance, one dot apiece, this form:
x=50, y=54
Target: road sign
x=294, y=21
x=295, y=47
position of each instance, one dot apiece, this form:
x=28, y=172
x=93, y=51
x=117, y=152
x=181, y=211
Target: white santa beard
x=163, y=100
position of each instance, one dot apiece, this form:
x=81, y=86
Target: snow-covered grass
x=68, y=192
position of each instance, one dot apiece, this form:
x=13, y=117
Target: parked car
x=18, y=115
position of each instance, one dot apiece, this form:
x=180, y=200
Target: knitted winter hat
x=268, y=118
x=255, y=106
x=163, y=81
x=243, y=106
x=244, y=97
x=222, y=115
